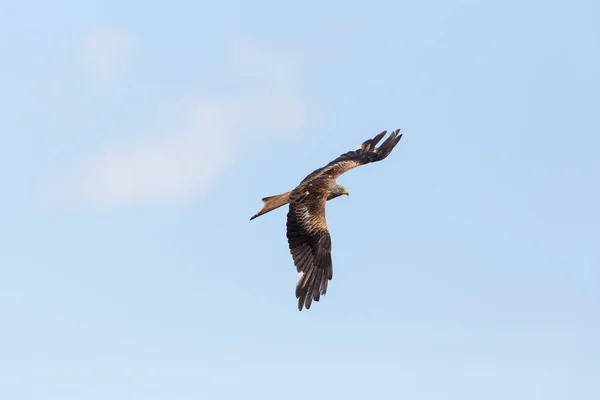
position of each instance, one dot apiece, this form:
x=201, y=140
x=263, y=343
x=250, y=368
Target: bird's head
x=337, y=191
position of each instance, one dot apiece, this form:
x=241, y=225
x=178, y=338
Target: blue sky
x=139, y=137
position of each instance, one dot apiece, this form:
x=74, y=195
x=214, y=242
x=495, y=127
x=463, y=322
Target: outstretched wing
x=310, y=245
x=366, y=153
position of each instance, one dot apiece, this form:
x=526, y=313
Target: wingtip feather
x=377, y=138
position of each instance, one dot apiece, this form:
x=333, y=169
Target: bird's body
x=307, y=233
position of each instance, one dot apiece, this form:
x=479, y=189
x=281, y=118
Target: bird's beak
x=346, y=193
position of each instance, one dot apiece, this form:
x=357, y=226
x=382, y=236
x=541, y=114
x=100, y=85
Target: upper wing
x=366, y=153
x=310, y=245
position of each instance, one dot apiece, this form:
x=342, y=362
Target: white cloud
x=180, y=164
x=106, y=54
x=162, y=167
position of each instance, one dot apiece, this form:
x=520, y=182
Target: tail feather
x=272, y=202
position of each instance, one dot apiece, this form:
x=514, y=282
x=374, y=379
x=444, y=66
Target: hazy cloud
x=184, y=163
x=162, y=167
x=106, y=54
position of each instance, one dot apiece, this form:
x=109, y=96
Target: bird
x=307, y=233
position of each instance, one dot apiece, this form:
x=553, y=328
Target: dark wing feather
x=310, y=245
x=366, y=153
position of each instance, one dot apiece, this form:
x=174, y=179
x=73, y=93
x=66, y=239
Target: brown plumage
x=307, y=233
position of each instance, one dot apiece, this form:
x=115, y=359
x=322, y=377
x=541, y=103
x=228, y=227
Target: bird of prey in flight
x=307, y=234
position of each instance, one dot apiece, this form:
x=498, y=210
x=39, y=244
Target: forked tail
x=273, y=202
